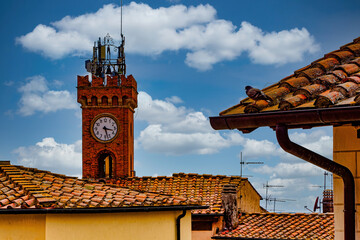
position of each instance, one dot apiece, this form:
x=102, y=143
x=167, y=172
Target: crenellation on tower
x=94, y=94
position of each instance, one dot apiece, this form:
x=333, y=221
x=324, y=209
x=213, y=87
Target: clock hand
x=105, y=128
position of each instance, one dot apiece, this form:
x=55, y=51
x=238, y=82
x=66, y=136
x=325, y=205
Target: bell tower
x=107, y=101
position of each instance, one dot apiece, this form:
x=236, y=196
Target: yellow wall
x=347, y=153
x=132, y=226
x=22, y=226
x=248, y=199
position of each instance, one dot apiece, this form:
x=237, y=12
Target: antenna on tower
x=101, y=63
x=121, y=19
x=243, y=163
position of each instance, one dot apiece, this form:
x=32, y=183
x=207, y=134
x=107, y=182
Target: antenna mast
x=267, y=186
x=279, y=200
x=121, y=35
x=101, y=63
x=243, y=163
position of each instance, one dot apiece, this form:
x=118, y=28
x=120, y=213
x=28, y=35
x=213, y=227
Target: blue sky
x=191, y=60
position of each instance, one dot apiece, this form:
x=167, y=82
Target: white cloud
x=154, y=139
x=158, y=111
x=52, y=156
x=290, y=170
x=151, y=31
x=36, y=96
x=177, y=130
x=316, y=141
x=283, y=47
x=260, y=149
x=174, y=99
x=9, y=83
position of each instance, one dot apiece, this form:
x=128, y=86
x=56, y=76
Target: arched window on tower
x=83, y=101
x=124, y=98
x=115, y=101
x=94, y=101
x=105, y=166
x=104, y=101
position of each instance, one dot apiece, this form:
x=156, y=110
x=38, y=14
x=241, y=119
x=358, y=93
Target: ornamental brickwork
x=115, y=97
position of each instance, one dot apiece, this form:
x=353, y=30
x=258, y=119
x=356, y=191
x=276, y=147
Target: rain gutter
x=329, y=165
x=178, y=224
x=296, y=118
x=281, y=121
x=97, y=210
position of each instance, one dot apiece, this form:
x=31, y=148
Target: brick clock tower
x=108, y=102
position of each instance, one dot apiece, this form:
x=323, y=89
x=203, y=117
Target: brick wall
x=118, y=98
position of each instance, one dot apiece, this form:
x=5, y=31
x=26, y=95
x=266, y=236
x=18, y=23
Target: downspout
x=329, y=165
x=178, y=224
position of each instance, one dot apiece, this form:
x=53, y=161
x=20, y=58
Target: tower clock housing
x=107, y=125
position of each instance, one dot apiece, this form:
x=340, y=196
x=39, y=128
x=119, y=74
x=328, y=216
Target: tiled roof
x=332, y=81
x=204, y=188
x=282, y=226
x=22, y=187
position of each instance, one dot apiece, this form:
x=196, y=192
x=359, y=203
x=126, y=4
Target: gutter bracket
x=320, y=117
x=329, y=165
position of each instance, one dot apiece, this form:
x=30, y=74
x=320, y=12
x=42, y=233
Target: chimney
x=328, y=201
x=229, y=203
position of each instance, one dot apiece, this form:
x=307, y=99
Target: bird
x=256, y=94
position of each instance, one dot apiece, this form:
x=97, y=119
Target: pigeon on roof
x=256, y=94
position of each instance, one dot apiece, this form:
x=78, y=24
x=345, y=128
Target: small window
x=124, y=99
x=104, y=100
x=83, y=100
x=115, y=101
x=105, y=166
x=94, y=101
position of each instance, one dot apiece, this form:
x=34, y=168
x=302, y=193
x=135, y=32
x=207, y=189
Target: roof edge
x=302, y=118
x=98, y=210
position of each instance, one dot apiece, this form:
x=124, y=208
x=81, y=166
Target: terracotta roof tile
x=282, y=226
x=31, y=188
x=196, y=187
x=327, y=82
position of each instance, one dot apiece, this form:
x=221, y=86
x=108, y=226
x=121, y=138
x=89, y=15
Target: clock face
x=104, y=128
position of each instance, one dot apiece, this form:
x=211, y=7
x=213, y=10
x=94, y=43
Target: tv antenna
x=267, y=197
x=279, y=200
x=242, y=163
